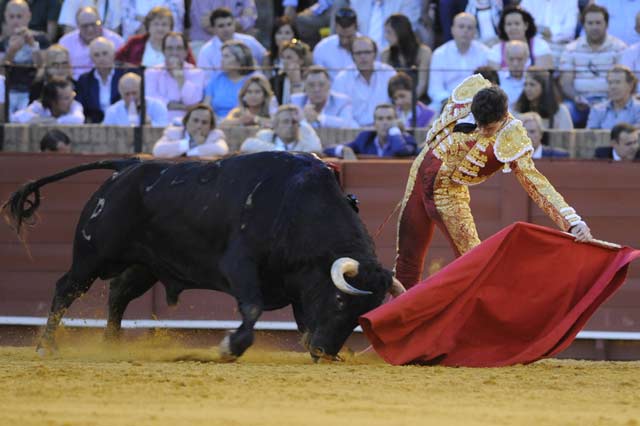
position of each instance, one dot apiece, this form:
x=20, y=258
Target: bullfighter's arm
x=513, y=148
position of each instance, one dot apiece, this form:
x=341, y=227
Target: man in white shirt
x=334, y=52
x=56, y=105
x=372, y=15
x=224, y=28
x=366, y=83
x=289, y=133
x=126, y=112
x=512, y=79
x=110, y=12
x=320, y=106
x=455, y=60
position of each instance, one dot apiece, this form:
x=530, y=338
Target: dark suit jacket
x=607, y=152
x=397, y=145
x=88, y=94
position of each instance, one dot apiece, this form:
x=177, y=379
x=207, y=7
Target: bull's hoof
x=318, y=354
x=46, y=351
x=224, y=350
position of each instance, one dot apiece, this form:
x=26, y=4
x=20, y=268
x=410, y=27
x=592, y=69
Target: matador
x=474, y=137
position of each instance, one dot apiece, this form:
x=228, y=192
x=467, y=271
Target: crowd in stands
x=291, y=67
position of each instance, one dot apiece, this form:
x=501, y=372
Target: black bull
x=270, y=229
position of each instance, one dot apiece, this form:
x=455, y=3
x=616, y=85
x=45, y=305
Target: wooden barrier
x=611, y=205
x=99, y=139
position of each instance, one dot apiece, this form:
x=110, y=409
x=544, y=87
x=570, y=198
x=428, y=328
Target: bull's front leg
x=242, y=275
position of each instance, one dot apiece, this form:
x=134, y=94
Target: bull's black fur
x=264, y=228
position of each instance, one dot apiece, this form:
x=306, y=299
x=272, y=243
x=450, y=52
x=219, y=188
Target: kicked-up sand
x=156, y=381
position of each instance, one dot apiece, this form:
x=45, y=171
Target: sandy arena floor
x=158, y=382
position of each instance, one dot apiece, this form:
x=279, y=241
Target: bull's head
x=337, y=315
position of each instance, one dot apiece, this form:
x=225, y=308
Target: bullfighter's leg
x=68, y=288
x=242, y=275
x=415, y=231
x=452, y=204
x=131, y=284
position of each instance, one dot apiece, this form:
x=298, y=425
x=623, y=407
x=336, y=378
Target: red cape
x=521, y=295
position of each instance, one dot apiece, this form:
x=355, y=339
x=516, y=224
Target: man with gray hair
x=98, y=88
x=289, y=134
x=89, y=26
x=512, y=79
x=126, y=112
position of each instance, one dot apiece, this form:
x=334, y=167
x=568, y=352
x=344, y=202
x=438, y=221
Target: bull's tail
x=23, y=203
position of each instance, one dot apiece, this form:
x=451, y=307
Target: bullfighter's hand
x=582, y=232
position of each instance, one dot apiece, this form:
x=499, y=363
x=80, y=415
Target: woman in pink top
x=518, y=24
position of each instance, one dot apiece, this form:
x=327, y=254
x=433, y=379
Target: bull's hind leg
x=131, y=284
x=242, y=274
x=68, y=289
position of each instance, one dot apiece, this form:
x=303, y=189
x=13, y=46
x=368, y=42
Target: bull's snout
x=319, y=353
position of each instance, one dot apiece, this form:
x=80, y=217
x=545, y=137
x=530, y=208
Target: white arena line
x=230, y=325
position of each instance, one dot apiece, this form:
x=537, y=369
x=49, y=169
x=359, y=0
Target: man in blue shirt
x=621, y=106
x=387, y=140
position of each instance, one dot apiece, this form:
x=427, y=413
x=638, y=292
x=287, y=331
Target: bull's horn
x=396, y=287
x=349, y=267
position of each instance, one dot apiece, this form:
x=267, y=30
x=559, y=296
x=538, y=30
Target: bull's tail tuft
x=22, y=205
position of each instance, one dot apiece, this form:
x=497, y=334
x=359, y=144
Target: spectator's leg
x=579, y=116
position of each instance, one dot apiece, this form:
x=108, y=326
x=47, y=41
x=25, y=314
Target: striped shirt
x=591, y=65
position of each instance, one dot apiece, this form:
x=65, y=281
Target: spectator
x=244, y=12
x=284, y=30
x=126, y=111
x=532, y=122
x=453, y=61
x=222, y=90
x=57, y=105
x=584, y=64
x=313, y=18
x=556, y=21
x=490, y=73
x=224, y=26
x=631, y=55
x=387, y=140
x=56, y=64
x=146, y=48
x=512, y=79
x=541, y=95
x=320, y=106
x=295, y=58
x=55, y=140
x=334, y=52
x=108, y=12
x=405, y=53
x=621, y=106
x=447, y=10
x=518, y=24
x=487, y=14
x=366, y=83
x=621, y=22
x=98, y=88
x=372, y=15
x=288, y=134
x=197, y=137
x=135, y=14
x=624, y=144
x=44, y=17
x=401, y=93
x=178, y=83
x=20, y=49
x=255, y=104
x=77, y=41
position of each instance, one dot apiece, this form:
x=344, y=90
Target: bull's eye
x=340, y=300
